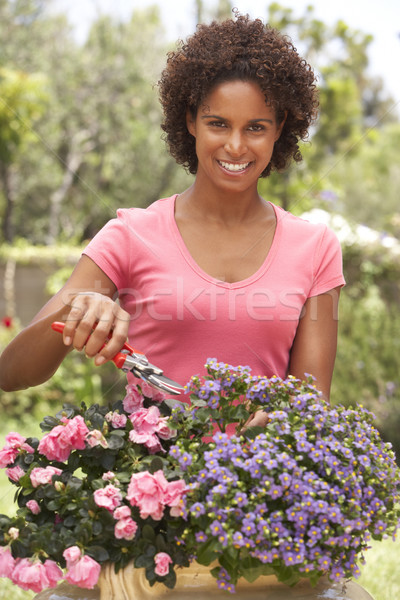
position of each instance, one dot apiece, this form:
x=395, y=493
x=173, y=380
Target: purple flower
x=200, y=536
x=197, y=509
x=241, y=498
x=216, y=528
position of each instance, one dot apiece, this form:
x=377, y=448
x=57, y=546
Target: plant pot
x=196, y=583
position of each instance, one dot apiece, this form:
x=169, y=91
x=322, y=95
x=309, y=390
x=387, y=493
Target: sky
x=381, y=18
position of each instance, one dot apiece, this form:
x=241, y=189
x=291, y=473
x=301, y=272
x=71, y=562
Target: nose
x=235, y=144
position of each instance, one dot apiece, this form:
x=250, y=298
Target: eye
x=256, y=128
x=216, y=124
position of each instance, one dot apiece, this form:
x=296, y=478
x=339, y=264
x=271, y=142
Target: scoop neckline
x=203, y=274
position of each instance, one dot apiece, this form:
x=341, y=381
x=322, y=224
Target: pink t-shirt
x=180, y=316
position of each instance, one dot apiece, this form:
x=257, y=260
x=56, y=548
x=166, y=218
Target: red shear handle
x=118, y=359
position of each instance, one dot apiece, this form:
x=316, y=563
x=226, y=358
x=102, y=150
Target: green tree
x=368, y=181
x=350, y=101
x=22, y=98
x=100, y=143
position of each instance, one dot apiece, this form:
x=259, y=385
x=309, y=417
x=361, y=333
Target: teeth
x=234, y=166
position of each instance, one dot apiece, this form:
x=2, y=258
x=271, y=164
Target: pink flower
x=147, y=491
x=7, y=562
x=53, y=572
x=117, y=420
x=125, y=529
x=76, y=431
x=72, y=555
x=174, y=495
x=162, y=560
x=122, y=512
x=7, y=456
x=16, y=440
x=33, y=507
x=84, y=573
x=53, y=446
x=109, y=497
x=14, y=444
x=146, y=424
x=146, y=420
x=109, y=476
x=58, y=443
x=41, y=476
x=96, y=438
x=15, y=473
x=163, y=431
x=151, y=441
x=133, y=400
x=151, y=392
x=36, y=576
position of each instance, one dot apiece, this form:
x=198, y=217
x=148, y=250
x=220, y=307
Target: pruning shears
x=130, y=359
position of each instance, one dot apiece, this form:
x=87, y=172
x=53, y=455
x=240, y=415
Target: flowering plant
x=163, y=483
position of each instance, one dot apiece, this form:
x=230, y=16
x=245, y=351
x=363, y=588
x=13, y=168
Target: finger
x=260, y=419
x=76, y=313
x=86, y=309
x=115, y=338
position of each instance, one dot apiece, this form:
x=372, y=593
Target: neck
x=217, y=205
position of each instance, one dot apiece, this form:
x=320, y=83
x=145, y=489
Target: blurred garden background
x=80, y=137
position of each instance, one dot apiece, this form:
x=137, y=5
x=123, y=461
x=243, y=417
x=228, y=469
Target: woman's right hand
x=96, y=324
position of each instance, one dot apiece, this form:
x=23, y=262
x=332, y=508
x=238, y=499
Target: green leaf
x=252, y=432
x=173, y=403
x=170, y=580
x=115, y=441
x=53, y=505
x=251, y=569
x=150, y=575
x=203, y=415
x=161, y=543
x=107, y=461
x=206, y=552
x=151, y=551
x=148, y=533
x=97, y=527
x=74, y=484
x=143, y=562
x=240, y=412
x=70, y=521
x=98, y=553
x=199, y=403
x=156, y=464
x=73, y=461
x=48, y=423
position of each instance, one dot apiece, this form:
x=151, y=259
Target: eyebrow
x=223, y=119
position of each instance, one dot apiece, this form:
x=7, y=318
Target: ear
x=280, y=127
x=191, y=122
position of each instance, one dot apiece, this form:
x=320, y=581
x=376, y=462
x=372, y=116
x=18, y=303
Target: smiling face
x=235, y=133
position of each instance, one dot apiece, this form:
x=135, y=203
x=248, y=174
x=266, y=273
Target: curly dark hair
x=247, y=50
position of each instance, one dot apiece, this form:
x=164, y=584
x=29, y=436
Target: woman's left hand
x=257, y=419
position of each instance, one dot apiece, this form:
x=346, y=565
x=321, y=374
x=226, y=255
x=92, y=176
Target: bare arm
x=86, y=299
x=314, y=347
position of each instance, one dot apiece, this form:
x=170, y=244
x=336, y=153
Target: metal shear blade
x=140, y=367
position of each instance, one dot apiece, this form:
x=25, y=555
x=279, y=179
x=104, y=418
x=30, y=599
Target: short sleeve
x=328, y=264
x=110, y=249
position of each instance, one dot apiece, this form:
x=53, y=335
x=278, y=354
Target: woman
x=216, y=271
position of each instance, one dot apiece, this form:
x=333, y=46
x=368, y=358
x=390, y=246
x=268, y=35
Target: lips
x=233, y=167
